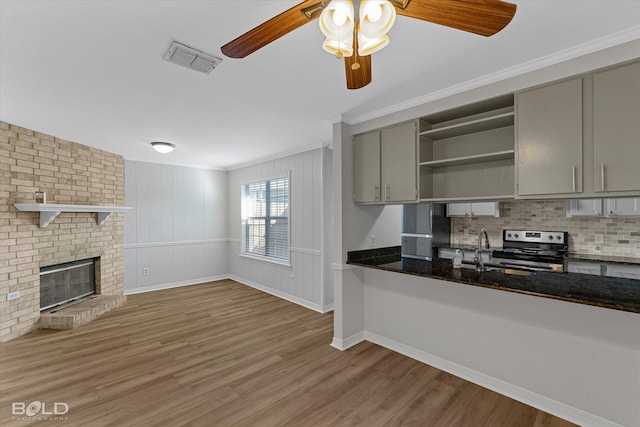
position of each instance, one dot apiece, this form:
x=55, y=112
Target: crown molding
x=556, y=58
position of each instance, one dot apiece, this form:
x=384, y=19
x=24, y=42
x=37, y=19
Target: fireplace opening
x=63, y=283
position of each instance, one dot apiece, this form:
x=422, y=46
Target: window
x=265, y=218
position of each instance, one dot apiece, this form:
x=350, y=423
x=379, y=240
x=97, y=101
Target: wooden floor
x=223, y=354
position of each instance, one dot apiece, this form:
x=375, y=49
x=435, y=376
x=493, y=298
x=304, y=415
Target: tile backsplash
x=592, y=236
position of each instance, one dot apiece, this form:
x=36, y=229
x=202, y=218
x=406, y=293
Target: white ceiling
x=92, y=71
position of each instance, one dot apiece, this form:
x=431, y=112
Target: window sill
x=283, y=263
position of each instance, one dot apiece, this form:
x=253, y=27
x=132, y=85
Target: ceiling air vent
x=189, y=57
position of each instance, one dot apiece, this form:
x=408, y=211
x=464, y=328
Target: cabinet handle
x=602, y=176
x=377, y=192
x=573, y=175
x=387, y=192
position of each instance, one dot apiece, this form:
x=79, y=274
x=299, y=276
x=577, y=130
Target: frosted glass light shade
x=376, y=19
x=163, y=147
x=337, y=24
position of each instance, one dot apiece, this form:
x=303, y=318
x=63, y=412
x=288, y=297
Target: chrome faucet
x=477, y=260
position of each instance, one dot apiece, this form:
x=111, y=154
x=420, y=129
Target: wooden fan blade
x=357, y=68
x=274, y=28
x=484, y=17
x=357, y=75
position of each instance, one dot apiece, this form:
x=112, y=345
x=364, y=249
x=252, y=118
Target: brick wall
x=70, y=173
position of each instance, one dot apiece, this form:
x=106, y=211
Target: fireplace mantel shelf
x=48, y=212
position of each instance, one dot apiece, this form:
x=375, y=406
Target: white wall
x=305, y=281
x=178, y=227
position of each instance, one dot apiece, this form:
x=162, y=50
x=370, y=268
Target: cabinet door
x=366, y=167
x=627, y=271
x=623, y=206
x=485, y=209
x=399, y=163
x=584, y=207
x=473, y=209
x=458, y=209
x=549, y=139
x=616, y=129
x=584, y=267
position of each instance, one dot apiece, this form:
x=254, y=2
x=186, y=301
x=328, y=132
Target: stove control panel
x=556, y=237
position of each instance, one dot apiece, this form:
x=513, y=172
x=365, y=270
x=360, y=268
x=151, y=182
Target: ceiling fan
x=355, y=29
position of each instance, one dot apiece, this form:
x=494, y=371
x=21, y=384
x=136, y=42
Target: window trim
x=265, y=258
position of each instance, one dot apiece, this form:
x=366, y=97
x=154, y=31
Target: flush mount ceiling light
x=163, y=147
x=354, y=29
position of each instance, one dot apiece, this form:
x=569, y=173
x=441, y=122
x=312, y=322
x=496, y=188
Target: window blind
x=265, y=218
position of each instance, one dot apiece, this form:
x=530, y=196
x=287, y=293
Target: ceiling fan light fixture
x=376, y=19
x=337, y=24
x=163, y=147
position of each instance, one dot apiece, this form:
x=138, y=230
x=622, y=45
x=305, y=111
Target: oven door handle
x=523, y=267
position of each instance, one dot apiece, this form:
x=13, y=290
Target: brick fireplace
x=70, y=173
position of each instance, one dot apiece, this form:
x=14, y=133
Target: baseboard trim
x=348, y=342
x=536, y=400
x=291, y=298
x=171, y=285
x=327, y=308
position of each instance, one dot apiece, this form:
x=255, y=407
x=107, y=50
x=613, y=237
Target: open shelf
x=500, y=118
x=48, y=212
x=467, y=160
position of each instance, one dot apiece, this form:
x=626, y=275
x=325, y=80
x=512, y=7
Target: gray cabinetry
x=603, y=268
x=584, y=267
x=468, y=153
x=399, y=163
x=616, y=129
x=366, y=168
x=549, y=139
x=384, y=165
x=627, y=271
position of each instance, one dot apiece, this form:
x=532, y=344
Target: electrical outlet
x=293, y=278
x=145, y=271
x=372, y=240
x=13, y=295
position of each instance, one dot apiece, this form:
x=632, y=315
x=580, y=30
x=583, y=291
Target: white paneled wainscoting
x=304, y=288
x=173, y=264
x=185, y=228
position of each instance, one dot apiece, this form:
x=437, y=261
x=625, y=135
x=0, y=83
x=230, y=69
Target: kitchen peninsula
x=571, y=352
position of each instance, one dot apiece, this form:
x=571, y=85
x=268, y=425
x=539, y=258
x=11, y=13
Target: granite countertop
x=607, y=292
x=603, y=258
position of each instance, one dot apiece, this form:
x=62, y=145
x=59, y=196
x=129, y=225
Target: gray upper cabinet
x=384, y=165
x=399, y=163
x=366, y=167
x=616, y=129
x=549, y=139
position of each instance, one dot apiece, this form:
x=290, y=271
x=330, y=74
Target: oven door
x=529, y=265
